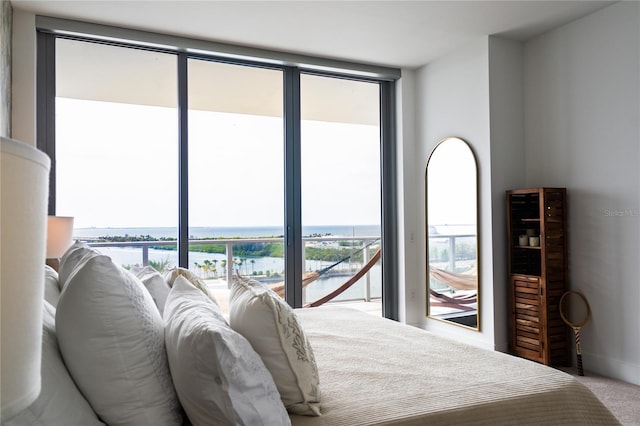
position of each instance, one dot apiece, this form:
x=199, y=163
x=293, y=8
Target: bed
x=167, y=356
x=375, y=371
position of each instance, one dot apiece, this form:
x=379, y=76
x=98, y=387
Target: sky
x=452, y=184
x=117, y=167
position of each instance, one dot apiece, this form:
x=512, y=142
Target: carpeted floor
x=621, y=398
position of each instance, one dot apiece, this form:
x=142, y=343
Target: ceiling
x=404, y=34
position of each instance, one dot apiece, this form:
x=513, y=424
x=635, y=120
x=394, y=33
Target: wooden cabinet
x=538, y=274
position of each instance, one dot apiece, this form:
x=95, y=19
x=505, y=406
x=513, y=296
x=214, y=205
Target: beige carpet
x=621, y=398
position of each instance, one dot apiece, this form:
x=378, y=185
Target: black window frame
x=45, y=119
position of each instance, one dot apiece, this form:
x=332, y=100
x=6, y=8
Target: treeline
x=254, y=249
x=127, y=238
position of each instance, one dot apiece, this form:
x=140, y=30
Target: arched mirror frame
x=465, y=298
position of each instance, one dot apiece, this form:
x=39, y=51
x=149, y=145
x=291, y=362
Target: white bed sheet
x=375, y=371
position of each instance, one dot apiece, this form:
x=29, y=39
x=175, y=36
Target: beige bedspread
x=375, y=371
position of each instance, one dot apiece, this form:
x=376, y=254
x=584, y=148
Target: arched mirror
x=452, y=234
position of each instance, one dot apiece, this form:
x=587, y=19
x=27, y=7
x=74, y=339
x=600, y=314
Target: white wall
x=411, y=293
x=24, y=77
x=582, y=91
x=506, y=101
x=562, y=110
x=452, y=99
x=6, y=25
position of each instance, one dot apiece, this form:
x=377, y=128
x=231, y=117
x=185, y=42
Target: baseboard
x=612, y=368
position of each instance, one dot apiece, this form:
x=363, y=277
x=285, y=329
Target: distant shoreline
x=228, y=232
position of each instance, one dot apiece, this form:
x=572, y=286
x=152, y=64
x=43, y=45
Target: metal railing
x=451, y=246
x=145, y=246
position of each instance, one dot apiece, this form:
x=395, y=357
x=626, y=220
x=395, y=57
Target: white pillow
x=155, y=283
x=51, y=286
x=75, y=256
x=171, y=275
x=272, y=328
x=60, y=402
x=218, y=376
x=111, y=337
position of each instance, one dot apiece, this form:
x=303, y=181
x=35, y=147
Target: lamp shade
x=59, y=235
x=25, y=176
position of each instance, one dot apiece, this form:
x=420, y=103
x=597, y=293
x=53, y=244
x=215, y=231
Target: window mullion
x=389, y=202
x=292, y=198
x=46, y=107
x=183, y=158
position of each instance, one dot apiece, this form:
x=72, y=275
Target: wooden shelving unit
x=538, y=275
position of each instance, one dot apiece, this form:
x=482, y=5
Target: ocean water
x=230, y=232
x=129, y=256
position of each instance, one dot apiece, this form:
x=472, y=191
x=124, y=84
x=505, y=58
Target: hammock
x=310, y=277
x=459, y=301
x=347, y=284
x=307, y=279
x=459, y=281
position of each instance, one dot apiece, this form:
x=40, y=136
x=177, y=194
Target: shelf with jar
x=537, y=249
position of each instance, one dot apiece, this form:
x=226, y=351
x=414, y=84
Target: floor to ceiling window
x=340, y=168
x=115, y=146
x=270, y=155
x=236, y=156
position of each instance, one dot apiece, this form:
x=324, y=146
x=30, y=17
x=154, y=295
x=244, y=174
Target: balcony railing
x=145, y=246
x=437, y=240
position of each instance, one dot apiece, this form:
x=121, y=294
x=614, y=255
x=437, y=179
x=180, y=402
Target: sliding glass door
x=236, y=178
x=115, y=148
x=341, y=196
x=172, y=159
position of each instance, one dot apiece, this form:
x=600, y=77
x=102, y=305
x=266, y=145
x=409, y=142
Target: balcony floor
x=219, y=289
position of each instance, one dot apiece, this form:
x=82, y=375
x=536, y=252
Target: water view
x=320, y=241
x=230, y=232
